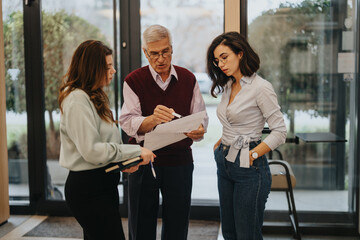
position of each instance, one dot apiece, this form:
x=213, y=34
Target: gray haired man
x=151, y=94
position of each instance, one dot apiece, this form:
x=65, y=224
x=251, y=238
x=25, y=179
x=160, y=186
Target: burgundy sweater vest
x=177, y=96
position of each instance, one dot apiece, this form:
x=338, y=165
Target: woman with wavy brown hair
x=91, y=141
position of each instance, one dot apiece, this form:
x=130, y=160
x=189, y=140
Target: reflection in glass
x=16, y=116
x=66, y=24
x=298, y=43
x=193, y=25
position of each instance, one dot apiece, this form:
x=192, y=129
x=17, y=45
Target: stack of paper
x=171, y=132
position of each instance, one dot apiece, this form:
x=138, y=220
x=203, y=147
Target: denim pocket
x=216, y=149
x=256, y=163
x=254, y=167
x=216, y=153
x=265, y=165
x=267, y=168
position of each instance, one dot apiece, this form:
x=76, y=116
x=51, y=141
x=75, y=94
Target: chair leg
x=293, y=214
x=291, y=201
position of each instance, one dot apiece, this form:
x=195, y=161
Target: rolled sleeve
x=131, y=116
x=268, y=104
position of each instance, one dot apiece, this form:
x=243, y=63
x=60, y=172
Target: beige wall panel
x=232, y=15
x=4, y=179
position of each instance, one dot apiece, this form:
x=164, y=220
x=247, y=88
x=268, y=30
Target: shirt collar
x=156, y=76
x=249, y=79
x=245, y=79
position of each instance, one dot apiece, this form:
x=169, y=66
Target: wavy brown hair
x=87, y=72
x=249, y=63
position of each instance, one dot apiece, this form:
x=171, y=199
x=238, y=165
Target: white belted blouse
x=244, y=119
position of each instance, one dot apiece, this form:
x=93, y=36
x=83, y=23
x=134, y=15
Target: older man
x=151, y=94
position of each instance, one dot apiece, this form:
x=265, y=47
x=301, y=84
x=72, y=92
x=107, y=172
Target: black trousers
x=175, y=184
x=93, y=198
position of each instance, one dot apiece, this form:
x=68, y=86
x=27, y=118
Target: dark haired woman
x=90, y=141
x=247, y=102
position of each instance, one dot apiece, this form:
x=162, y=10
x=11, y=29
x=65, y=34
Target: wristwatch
x=254, y=155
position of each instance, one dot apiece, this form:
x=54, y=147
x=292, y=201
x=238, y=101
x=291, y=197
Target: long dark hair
x=249, y=63
x=87, y=72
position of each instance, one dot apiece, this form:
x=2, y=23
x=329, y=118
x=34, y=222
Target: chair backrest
x=278, y=173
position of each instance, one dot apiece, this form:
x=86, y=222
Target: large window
x=193, y=25
x=16, y=115
x=306, y=50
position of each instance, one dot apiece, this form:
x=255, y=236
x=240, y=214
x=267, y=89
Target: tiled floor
x=14, y=222
x=288, y=237
x=17, y=226
x=199, y=230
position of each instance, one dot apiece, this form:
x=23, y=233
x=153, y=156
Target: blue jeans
x=243, y=193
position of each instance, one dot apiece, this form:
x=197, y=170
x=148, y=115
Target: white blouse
x=243, y=120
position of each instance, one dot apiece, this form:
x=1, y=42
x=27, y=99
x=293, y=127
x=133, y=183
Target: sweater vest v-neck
x=177, y=95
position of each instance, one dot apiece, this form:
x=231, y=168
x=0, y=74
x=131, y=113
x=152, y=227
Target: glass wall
x=65, y=24
x=16, y=116
x=307, y=52
x=193, y=25
x=306, y=49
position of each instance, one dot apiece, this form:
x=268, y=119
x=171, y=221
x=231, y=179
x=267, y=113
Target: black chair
x=283, y=179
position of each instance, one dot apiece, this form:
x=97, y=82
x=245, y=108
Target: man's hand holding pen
x=162, y=114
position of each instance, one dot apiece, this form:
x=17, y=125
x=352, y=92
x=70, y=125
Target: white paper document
x=171, y=132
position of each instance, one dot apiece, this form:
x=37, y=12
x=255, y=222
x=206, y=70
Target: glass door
x=16, y=111
x=307, y=51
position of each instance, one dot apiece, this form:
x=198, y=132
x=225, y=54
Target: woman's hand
x=131, y=169
x=146, y=156
x=217, y=144
x=251, y=158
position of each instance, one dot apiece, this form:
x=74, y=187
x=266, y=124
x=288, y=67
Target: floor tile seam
x=23, y=228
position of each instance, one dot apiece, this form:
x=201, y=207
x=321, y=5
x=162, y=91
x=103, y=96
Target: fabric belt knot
x=241, y=143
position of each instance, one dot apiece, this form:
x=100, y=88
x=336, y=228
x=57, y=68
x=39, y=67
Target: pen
x=152, y=169
x=176, y=115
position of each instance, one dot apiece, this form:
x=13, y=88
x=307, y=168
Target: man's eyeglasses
x=155, y=56
x=223, y=60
